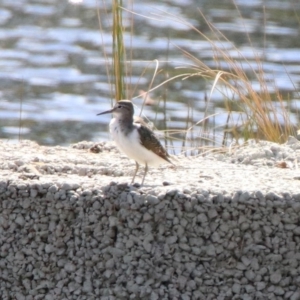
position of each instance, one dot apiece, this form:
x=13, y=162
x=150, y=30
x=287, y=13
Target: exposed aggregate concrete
x=219, y=226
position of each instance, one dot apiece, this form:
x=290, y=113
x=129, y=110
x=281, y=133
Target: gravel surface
x=218, y=226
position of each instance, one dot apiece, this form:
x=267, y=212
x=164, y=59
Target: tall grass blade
x=118, y=51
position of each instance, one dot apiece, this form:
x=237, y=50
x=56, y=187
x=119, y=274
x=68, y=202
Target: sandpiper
x=136, y=140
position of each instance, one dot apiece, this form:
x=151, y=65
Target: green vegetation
x=118, y=51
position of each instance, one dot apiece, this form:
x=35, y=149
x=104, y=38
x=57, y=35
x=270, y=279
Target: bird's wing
x=151, y=142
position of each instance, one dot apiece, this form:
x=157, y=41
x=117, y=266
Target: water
x=54, y=57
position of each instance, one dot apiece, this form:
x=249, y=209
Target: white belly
x=132, y=147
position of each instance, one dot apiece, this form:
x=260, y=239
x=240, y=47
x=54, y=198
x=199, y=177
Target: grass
x=260, y=114
x=119, y=57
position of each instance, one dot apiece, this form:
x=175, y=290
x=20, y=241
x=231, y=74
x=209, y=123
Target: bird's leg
x=136, y=170
x=146, y=170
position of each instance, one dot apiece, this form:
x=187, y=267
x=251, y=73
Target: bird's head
x=121, y=109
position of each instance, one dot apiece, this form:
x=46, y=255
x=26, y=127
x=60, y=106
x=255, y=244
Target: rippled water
x=54, y=58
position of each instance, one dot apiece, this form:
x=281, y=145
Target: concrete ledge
x=68, y=230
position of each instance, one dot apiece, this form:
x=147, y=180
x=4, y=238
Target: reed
x=261, y=114
x=119, y=56
x=251, y=113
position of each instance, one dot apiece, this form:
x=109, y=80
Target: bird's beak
x=106, y=112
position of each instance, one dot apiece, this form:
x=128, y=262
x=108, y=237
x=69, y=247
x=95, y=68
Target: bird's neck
x=125, y=124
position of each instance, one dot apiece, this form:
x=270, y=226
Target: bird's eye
x=120, y=106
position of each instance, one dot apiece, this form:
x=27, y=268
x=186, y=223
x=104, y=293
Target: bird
x=135, y=139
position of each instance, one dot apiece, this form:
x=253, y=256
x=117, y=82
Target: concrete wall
x=58, y=241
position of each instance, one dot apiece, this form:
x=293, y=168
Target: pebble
x=212, y=213
x=260, y=285
x=275, y=277
x=279, y=291
x=297, y=230
x=171, y=239
x=170, y=214
x=250, y=275
x=152, y=200
x=211, y=250
x=244, y=197
x=70, y=267
x=49, y=248
x=236, y=288
x=202, y=218
x=20, y=220
x=246, y=261
x=295, y=295
x=53, y=189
